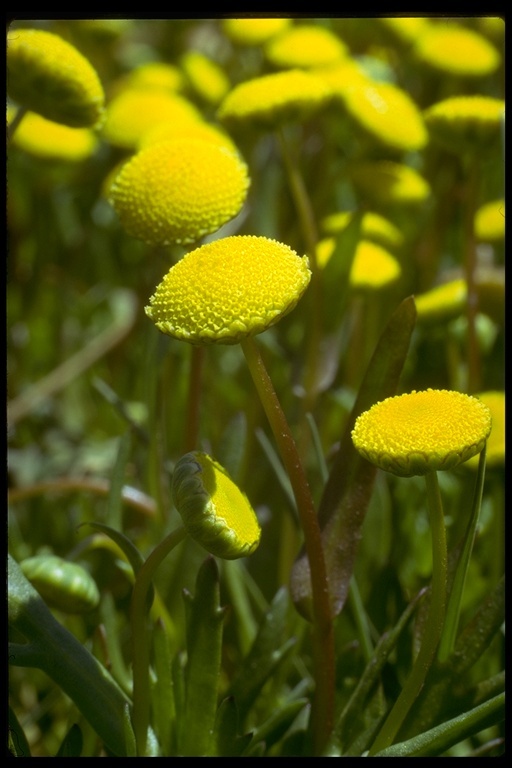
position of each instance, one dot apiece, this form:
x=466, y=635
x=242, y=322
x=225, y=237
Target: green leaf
x=162, y=694
x=17, y=741
x=72, y=744
x=349, y=488
x=204, y=643
x=227, y=741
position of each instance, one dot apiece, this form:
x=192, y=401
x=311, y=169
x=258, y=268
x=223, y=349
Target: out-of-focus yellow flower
x=342, y=76
x=495, y=454
x=214, y=510
x=387, y=114
x=388, y=184
x=134, y=111
x=178, y=191
x=54, y=141
x=196, y=130
x=452, y=49
x=255, y=31
x=443, y=302
x=372, y=268
x=374, y=227
x=405, y=29
x=305, y=45
x=421, y=432
x=462, y=123
x=47, y=75
x=490, y=222
x=205, y=76
x=229, y=289
x=154, y=75
x=269, y=100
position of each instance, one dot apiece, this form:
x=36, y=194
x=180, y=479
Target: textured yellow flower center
x=420, y=432
x=228, y=289
x=462, y=122
x=214, y=510
x=49, y=76
x=178, y=191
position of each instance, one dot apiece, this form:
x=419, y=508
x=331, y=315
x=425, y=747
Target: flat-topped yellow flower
x=442, y=302
x=463, y=123
x=387, y=183
x=54, y=141
x=372, y=266
x=178, y=191
x=206, y=78
x=374, y=227
x=305, y=45
x=229, y=289
x=421, y=432
x=269, y=100
x=47, y=75
x=155, y=75
x=490, y=222
x=405, y=29
x=387, y=114
x=213, y=508
x=134, y=111
x=196, y=130
x=456, y=50
x=253, y=31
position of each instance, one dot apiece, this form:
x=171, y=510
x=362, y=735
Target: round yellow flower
x=47, y=75
x=205, y=76
x=271, y=99
x=342, y=77
x=443, y=302
x=386, y=183
x=495, y=453
x=463, y=123
x=253, y=31
x=155, y=75
x=135, y=110
x=490, y=222
x=214, y=510
x=54, y=141
x=451, y=49
x=387, y=114
x=196, y=130
x=374, y=227
x=372, y=266
x=178, y=191
x=226, y=290
x=422, y=432
x=405, y=29
x=305, y=45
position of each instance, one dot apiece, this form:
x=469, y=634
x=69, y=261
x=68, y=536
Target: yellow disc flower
x=253, y=31
x=495, y=453
x=387, y=114
x=372, y=266
x=443, y=302
x=269, y=100
x=134, y=111
x=54, y=141
x=47, y=75
x=374, y=227
x=342, y=77
x=463, y=123
x=490, y=222
x=155, y=75
x=214, y=510
x=196, y=130
x=455, y=50
x=205, y=76
x=226, y=290
x=421, y=432
x=387, y=183
x=178, y=191
x=305, y=45
x=405, y=29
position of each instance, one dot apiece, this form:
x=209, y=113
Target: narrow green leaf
x=349, y=487
x=162, y=694
x=72, y=743
x=114, y=503
x=279, y=721
x=227, y=741
x=17, y=741
x=204, y=642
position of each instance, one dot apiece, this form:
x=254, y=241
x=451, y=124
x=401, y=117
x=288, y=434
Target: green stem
x=323, y=636
x=447, y=644
x=433, y=624
x=470, y=264
x=140, y=637
x=194, y=397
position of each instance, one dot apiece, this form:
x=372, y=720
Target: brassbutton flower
x=226, y=290
x=421, y=432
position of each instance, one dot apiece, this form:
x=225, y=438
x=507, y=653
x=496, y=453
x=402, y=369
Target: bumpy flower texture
x=269, y=100
x=463, y=123
x=178, y=191
x=229, y=289
x=49, y=76
x=214, y=510
x=421, y=432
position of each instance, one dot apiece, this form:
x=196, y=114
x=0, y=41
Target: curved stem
x=323, y=635
x=433, y=624
x=140, y=637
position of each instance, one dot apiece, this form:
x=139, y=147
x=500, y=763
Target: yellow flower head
x=305, y=46
x=387, y=114
x=490, y=222
x=196, y=130
x=374, y=227
x=253, y=31
x=373, y=267
x=342, y=77
x=135, y=110
x=178, y=191
x=226, y=290
x=406, y=29
x=387, y=183
x=463, y=123
x=214, y=510
x=451, y=49
x=47, y=75
x=205, y=76
x=155, y=75
x=54, y=141
x=421, y=432
x=269, y=100
x=443, y=302
x=495, y=453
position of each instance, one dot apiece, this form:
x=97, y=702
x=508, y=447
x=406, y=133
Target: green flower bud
x=63, y=585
